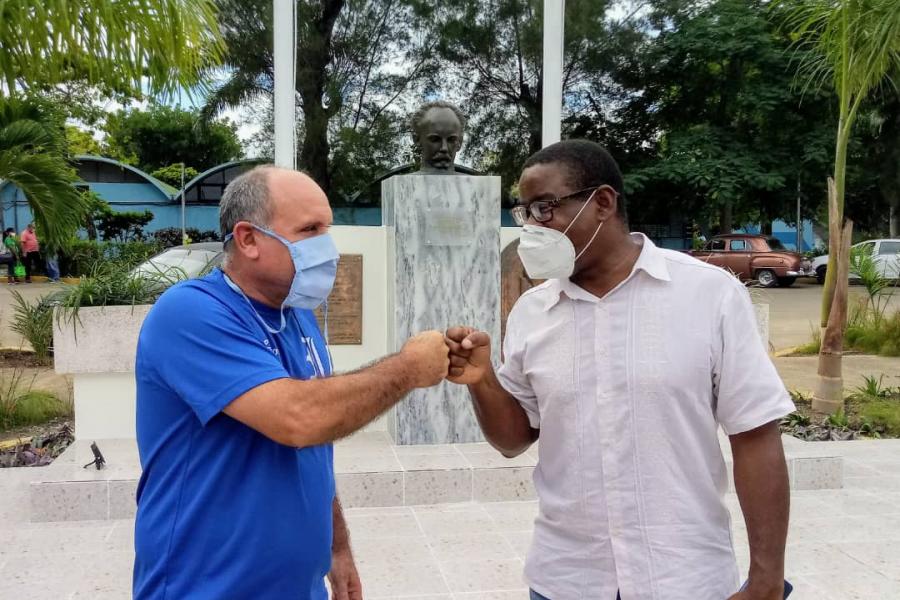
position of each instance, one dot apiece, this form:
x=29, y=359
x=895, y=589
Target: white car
x=885, y=252
x=181, y=262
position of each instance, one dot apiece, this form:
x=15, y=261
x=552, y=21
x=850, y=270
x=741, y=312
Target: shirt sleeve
x=512, y=373
x=201, y=349
x=749, y=392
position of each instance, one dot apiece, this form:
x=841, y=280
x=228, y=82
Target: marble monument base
x=443, y=270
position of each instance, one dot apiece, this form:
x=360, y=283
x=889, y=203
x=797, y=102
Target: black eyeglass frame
x=542, y=210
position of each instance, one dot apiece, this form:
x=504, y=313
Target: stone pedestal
x=443, y=246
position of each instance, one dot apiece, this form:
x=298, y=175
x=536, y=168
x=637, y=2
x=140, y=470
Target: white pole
x=284, y=50
x=183, y=230
x=554, y=22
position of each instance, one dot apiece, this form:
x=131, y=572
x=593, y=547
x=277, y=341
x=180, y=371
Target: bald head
x=262, y=193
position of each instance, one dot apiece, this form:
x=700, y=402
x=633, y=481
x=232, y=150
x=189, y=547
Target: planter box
x=98, y=351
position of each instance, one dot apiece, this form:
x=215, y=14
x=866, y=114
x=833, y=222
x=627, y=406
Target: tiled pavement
x=843, y=543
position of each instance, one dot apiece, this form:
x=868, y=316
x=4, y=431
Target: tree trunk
x=726, y=224
x=895, y=218
x=829, y=395
x=314, y=55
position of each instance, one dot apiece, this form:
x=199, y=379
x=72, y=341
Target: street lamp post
x=285, y=22
x=551, y=105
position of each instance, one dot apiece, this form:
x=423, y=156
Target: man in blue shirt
x=237, y=408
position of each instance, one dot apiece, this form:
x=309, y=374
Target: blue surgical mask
x=315, y=266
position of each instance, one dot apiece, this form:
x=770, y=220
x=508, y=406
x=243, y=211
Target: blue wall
x=787, y=234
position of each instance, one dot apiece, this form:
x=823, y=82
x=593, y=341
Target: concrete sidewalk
x=799, y=373
x=842, y=543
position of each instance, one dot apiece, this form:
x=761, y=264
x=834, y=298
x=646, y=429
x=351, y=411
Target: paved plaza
x=842, y=544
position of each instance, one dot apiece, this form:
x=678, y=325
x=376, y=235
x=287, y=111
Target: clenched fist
x=428, y=358
x=470, y=355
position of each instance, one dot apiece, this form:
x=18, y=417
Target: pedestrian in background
x=9, y=254
x=31, y=254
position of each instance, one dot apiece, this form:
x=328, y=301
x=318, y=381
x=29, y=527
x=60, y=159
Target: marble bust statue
x=437, y=130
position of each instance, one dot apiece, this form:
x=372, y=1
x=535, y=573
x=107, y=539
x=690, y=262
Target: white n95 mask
x=547, y=253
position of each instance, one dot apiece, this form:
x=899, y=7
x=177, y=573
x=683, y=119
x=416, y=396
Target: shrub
x=34, y=322
x=882, y=413
x=20, y=405
x=84, y=255
x=169, y=237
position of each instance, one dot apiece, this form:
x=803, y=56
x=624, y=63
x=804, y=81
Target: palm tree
x=32, y=156
x=120, y=46
x=855, y=45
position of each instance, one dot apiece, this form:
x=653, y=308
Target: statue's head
x=437, y=129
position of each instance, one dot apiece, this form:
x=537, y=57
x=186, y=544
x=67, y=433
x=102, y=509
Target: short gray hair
x=246, y=199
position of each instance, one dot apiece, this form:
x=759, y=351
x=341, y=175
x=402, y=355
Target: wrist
x=398, y=372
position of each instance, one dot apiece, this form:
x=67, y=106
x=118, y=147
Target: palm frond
x=118, y=44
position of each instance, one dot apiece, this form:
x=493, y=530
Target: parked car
x=180, y=262
x=885, y=252
x=754, y=257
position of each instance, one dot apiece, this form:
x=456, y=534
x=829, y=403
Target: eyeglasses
x=542, y=210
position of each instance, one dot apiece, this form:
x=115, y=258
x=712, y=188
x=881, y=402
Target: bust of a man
x=437, y=130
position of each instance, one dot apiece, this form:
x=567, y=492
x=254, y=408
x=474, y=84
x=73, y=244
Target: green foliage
x=736, y=138
x=32, y=150
x=875, y=336
x=109, y=283
x=839, y=420
x=872, y=388
x=166, y=45
x=21, y=405
x=83, y=255
x=357, y=60
x=882, y=414
x=34, y=322
x=79, y=141
x=171, y=236
x=864, y=265
x=162, y=136
x=124, y=226
x=173, y=176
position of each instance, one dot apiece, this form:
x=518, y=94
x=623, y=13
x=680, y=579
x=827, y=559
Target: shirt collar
x=651, y=260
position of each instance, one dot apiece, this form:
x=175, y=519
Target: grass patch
x=872, y=335
x=32, y=407
x=882, y=414
x=872, y=411
x=811, y=348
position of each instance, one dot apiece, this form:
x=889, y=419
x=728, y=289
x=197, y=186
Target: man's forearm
x=341, y=540
x=761, y=482
x=333, y=408
x=501, y=417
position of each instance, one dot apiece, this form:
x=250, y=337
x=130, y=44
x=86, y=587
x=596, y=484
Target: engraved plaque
x=345, y=303
x=447, y=227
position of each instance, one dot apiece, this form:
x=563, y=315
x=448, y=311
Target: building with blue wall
x=129, y=189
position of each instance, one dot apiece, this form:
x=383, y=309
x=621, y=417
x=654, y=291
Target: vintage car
x=754, y=258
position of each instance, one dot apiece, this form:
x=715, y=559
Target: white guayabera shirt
x=628, y=391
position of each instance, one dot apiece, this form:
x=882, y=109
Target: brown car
x=754, y=257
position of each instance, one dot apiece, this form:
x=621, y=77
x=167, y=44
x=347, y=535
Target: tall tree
x=355, y=60
x=493, y=55
x=162, y=135
x=125, y=48
x=855, y=47
x=734, y=139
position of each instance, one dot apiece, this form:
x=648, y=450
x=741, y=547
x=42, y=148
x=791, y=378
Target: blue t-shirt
x=223, y=511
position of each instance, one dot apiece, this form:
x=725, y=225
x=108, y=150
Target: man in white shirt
x=625, y=363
